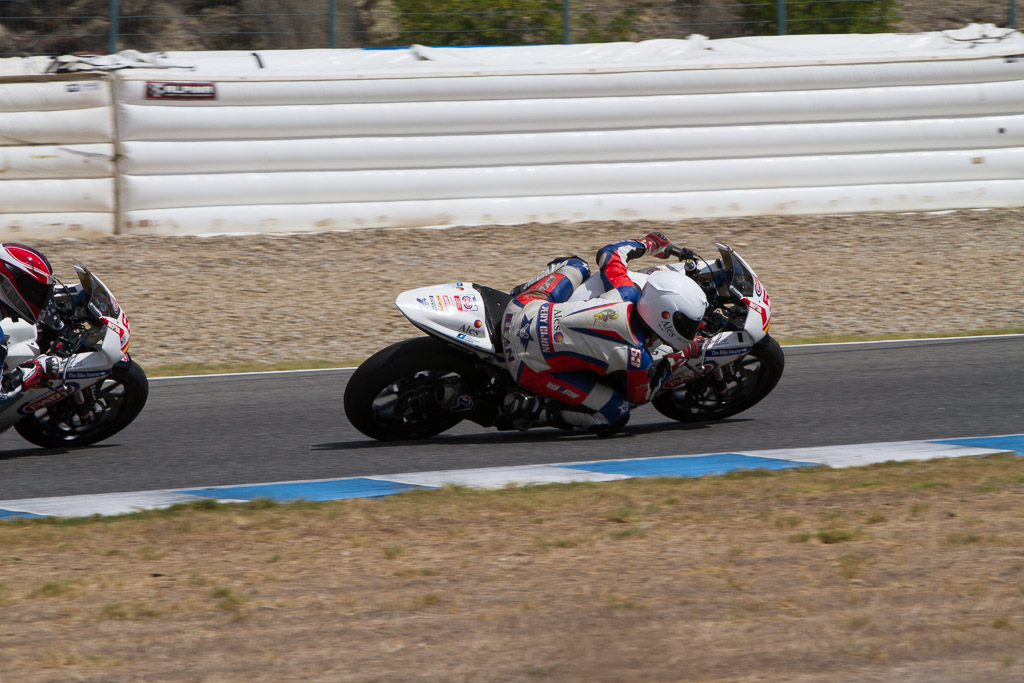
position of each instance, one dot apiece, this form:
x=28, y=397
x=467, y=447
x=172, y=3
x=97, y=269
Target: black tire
x=745, y=383
x=391, y=395
x=114, y=402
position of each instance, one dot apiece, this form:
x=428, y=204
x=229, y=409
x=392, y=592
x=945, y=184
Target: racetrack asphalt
x=240, y=429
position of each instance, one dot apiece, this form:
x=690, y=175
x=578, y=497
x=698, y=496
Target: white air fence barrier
x=207, y=142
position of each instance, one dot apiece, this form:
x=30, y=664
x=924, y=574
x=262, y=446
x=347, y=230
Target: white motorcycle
x=423, y=386
x=100, y=389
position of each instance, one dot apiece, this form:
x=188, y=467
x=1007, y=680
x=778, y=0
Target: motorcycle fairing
x=748, y=288
x=455, y=311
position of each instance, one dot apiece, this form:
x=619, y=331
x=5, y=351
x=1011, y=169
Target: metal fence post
x=114, y=12
x=1013, y=13
x=567, y=27
x=780, y=16
x=332, y=32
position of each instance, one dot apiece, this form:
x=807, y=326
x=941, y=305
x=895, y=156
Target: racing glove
x=656, y=244
x=39, y=370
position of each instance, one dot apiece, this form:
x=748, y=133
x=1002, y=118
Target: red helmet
x=26, y=280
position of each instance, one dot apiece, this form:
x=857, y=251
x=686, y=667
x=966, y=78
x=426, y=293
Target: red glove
x=691, y=350
x=39, y=370
x=656, y=244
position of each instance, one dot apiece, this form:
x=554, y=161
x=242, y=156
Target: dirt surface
x=911, y=572
x=262, y=298
x=905, y=571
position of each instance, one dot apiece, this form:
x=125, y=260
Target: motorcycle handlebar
x=682, y=253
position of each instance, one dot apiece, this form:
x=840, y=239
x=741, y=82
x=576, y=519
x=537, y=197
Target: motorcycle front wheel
x=729, y=390
x=108, y=406
x=393, y=395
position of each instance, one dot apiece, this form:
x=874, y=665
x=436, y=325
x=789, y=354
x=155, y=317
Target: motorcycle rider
x=26, y=286
x=594, y=356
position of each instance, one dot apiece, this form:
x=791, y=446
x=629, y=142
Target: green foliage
x=821, y=16
x=479, y=22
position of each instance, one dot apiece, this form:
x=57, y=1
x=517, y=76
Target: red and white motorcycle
x=100, y=389
x=423, y=386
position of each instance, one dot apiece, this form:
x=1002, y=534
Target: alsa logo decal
x=49, y=399
x=176, y=90
x=472, y=331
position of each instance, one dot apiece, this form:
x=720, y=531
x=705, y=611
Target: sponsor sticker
x=607, y=315
x=80, y=87
x=87, y=374
x=472, y=331
x=544, y=328
x=57, y=394
x=524, y=333
x=463, y=404
x=717, y=353
x=506, y=337
x=178, y=90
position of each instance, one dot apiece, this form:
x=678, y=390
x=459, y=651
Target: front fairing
x=114, y=337
x=744, y=285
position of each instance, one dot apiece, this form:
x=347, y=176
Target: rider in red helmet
x=26, y=286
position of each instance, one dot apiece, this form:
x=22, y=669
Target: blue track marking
x=852, y=455
x=687, y=466
x=307, y=490
x=11, y=514
x=1012, y=442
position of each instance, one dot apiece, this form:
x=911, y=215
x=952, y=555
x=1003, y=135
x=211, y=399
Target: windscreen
x=741, y=277
x=98, y=298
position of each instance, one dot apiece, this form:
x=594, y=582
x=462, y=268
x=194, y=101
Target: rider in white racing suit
x=594, y=356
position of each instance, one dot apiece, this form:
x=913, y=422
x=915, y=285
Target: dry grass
x=908, y=570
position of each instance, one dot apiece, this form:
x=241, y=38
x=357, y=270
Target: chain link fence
x=31, y=27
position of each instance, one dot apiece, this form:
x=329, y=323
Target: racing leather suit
x=594, y=355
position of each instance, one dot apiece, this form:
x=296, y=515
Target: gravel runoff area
x=329, y=296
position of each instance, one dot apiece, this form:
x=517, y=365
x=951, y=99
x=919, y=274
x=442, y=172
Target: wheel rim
x=62, y=421
x=409, y=404
x=722, y=387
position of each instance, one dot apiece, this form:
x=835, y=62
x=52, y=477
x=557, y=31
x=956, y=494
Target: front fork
x=83, y=405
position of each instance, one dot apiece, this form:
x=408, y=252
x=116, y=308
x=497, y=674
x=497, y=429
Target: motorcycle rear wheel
x=392, y=395
x=113, y=404
x=742, y=385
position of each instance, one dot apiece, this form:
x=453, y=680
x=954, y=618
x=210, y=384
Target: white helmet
x=673, y=306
